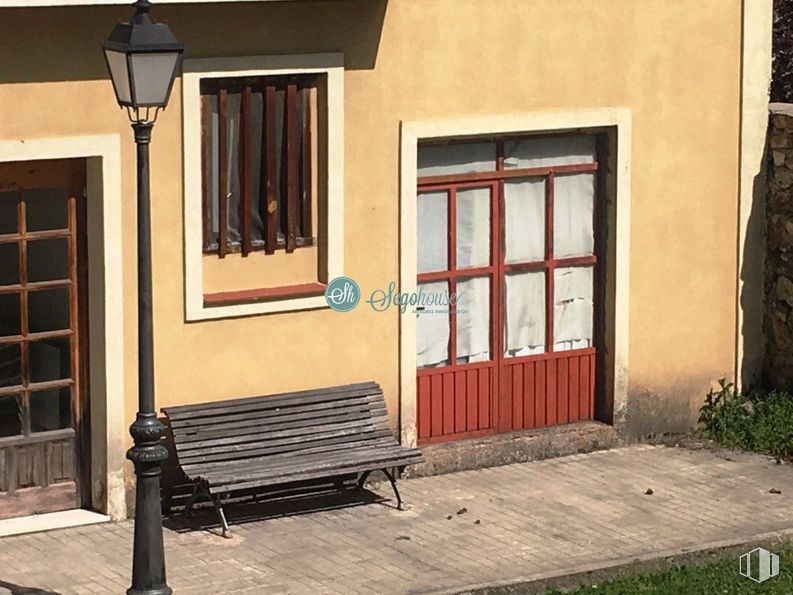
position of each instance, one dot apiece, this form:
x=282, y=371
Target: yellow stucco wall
x=674, y=63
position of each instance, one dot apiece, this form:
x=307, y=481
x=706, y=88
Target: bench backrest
x=299, y=422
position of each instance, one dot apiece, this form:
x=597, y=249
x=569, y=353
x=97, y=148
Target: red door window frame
x=442, y=414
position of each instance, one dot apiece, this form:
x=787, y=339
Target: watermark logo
x=759, y=565
x=342, y=294
x=440, y=302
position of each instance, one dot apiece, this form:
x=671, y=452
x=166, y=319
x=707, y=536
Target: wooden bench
x=287, y=439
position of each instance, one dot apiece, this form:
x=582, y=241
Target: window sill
x=258, y=246
x=254, y=296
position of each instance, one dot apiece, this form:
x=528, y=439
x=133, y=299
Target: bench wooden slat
x=266, y=437
x=200, y=467
x=301, y=462
x=351, y=468
x=262, y=470
x=272, y=402
x=298, y=444
x=263, y=414
x=347, y=433
x=294, y=443
x=329, y=418
x=292, y=460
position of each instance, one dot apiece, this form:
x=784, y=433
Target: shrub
x=759, y=422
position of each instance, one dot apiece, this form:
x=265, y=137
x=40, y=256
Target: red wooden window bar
x=257, y=147
x=508, y=393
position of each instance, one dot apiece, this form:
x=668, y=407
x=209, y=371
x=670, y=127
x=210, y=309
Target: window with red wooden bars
x=258, y=139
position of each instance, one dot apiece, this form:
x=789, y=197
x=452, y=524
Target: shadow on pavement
x=247, y=510
x=20, y=590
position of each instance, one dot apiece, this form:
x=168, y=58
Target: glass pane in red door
x=433, y=232
x=473, y=320
x=473, y=227
x=524, y=321
x=432, y=325
x=573, y=204
x=573, y=308
x=524, y=220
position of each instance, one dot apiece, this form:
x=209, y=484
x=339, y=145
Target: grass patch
x=712, y=578
x=757, y=422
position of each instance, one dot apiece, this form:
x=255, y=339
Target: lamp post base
x=148, y=556
x=166, y=590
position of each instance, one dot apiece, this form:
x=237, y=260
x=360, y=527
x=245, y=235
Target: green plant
x=759, y=422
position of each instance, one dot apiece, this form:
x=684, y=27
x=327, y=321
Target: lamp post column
x=148, y=559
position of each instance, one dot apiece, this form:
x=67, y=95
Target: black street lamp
x=144, y=57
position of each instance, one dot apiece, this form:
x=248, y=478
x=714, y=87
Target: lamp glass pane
x=151, y=75
x=117, y=62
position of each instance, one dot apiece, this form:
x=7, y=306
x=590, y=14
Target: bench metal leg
x=188, y=509
x=222, y=515
x=390, y=477
x=363, y=479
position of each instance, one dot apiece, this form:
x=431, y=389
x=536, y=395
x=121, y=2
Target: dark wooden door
x=44, y=454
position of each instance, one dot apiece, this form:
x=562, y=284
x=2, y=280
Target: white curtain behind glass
x=548, y=151
x=432, y=331
x=432, y=239
x=525, y=315
x=573, y=201
x=456, y=158
x=473, y=320
x=524, y=229
x=473, y=227
x=572, y=311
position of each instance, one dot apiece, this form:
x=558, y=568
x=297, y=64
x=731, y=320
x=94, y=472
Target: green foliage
x=711, y=578
x=758, y=422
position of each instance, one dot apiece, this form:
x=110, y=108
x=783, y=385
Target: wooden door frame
x=617, y=123
x=72, y=175
x=105, y=233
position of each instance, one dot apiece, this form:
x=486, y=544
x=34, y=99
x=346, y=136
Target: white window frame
x=332, y=65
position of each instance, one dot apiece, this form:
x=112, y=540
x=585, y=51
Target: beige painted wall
x=674, y=63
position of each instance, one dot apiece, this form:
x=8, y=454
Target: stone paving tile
x=534, y=517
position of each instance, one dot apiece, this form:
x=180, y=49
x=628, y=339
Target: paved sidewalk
x=520, y=521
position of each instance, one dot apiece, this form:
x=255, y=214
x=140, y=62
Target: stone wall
x=779, y=259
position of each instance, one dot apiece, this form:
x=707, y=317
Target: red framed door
x=549, y=379
x=539, y=228
x=457, y=374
